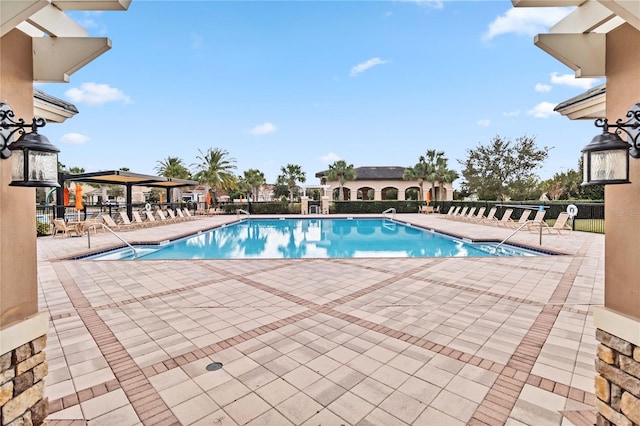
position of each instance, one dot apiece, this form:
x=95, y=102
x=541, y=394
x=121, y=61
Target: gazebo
x=125, y=178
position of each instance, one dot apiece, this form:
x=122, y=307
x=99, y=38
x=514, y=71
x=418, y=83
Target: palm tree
x=255, y=179
x=172, y=167
x=290, y=174
x=430, y=162
x=341, y=172
x=447, y=176
x=444, y=175
x=215, y=170
x=418, y=173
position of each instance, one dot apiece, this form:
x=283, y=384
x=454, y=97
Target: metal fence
x=590, y=217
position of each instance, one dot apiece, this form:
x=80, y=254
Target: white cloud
x=263, y=129
x=572, y=81
x=483, y=123
x=434, y=4
x=511, y=113
x=366, y=65
x=526, y=21
x=330, y=158
x=543, y=110
x=543, y=88
x=75, y=138
x=96, y=94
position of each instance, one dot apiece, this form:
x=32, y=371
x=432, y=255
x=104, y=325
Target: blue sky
x=274, y=82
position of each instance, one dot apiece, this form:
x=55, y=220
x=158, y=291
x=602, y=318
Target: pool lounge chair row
x=123, y=223
x=469, y=214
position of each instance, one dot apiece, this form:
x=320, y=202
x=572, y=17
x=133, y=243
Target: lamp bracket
x=9, y=126
x=631, y=127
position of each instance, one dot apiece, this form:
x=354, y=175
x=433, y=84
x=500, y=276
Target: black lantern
x=606, y=158
x=34, y=158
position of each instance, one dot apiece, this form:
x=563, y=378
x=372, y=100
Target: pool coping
x=465, y=238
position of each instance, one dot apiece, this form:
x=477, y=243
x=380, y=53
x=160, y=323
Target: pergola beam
x=13, y=12
x=583, y=53
x=56, y=23
x=56, y=58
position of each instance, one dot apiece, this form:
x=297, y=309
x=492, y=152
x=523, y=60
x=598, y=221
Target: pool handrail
x=243, y=211
x=389, y=210
x=135, y=253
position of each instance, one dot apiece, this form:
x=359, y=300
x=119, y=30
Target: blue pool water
x=315, y=238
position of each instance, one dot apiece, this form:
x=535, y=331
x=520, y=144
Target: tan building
x=38, y=42
x=385, y=183
x=601, y=38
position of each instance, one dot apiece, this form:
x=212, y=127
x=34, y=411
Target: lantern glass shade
x=606, y=161
x=34, y=162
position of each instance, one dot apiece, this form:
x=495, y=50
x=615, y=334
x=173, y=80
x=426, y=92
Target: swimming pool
x=314, y=238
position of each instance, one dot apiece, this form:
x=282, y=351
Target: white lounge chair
x=505, y=220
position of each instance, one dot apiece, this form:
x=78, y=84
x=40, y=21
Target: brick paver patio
x=433, y=341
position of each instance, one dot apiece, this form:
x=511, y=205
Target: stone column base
x=617, y=383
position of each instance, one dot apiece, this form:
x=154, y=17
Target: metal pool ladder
x=389, y=210
x=242, y=211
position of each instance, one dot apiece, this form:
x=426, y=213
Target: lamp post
x=606, y=157
x=34, y=158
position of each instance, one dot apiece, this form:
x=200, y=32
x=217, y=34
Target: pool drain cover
x=214, y=366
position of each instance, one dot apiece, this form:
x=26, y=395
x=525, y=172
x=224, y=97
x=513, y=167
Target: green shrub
x=375, y=207
x=42, y=228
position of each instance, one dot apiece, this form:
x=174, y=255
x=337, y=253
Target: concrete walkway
x=422, y=341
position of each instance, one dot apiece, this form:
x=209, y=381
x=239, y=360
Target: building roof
x=374, y=173
x=588, y=105
x=52, y=109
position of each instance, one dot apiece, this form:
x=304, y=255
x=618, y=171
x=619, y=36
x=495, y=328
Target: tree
x=341, y=172
x=444, y=174
x=503, y=169
x=290, y=174
x=555, y=187
x=215, y=171
x=417, y=173
x=429, y=162
x=254, y=179
x=173, y=167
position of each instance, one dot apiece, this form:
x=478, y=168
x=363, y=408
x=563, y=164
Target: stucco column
x=22, y=328
x=617, y=381
x=377, y=194
x=304, y=205
x=325, y=204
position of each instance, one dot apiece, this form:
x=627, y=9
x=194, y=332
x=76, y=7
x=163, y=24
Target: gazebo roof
x=121, y=177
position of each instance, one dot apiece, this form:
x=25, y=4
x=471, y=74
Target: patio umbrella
x=208, y=199
x=428, y=197
x=66, y=196
x=79, y=205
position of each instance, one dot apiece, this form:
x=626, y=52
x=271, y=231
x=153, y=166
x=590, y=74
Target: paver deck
x=416, y=341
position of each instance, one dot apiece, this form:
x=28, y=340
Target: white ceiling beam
x=29, y=29
x=584, y=19
x=583, y=53
x=629, y=10
x=546, y=3
x=12, y=12
x=56, y=58
x=92, y=4
x=56, y=23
